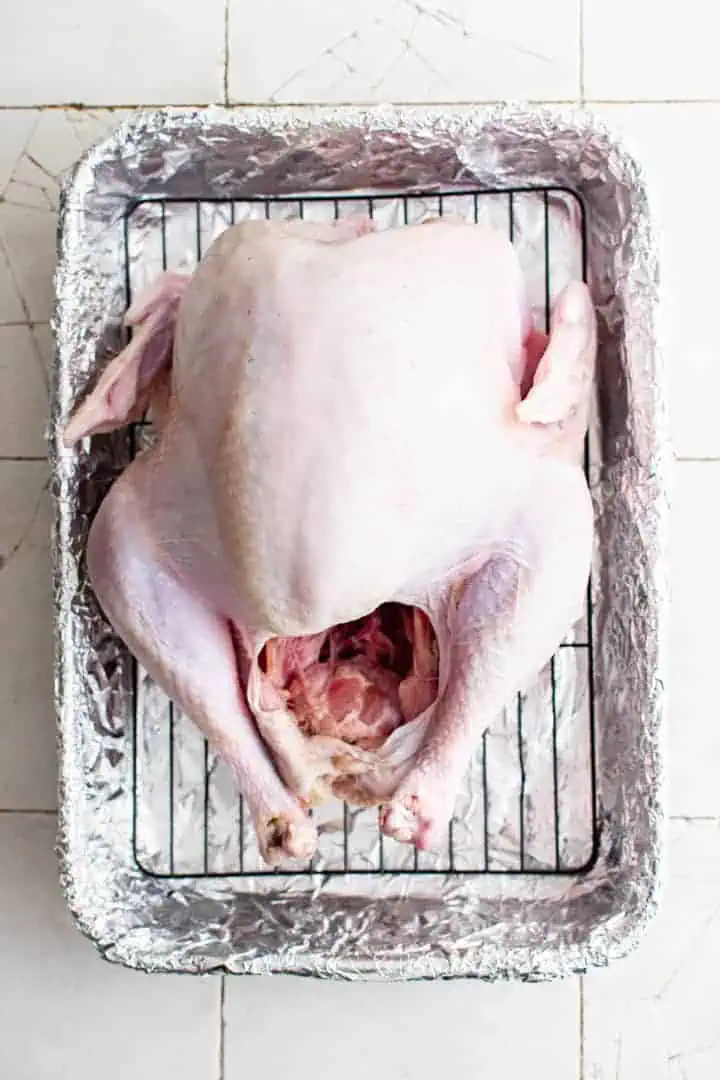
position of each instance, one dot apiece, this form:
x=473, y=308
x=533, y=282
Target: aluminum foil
x=177, y=902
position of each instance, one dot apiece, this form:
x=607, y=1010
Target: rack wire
x=530, y=803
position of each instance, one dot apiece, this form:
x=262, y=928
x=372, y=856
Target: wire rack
x=529, y=806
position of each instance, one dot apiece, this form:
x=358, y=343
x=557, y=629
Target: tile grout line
x=79, y=106
x=705, y=460
x=31, y=324
x=221, y=1040
x=581, y=1020
x=695, y=818
x=20, y=459
x=226, y=54
x=581, y=49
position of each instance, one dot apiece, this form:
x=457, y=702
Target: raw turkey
x=365, y=525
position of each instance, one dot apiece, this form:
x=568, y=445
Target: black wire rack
x=198, y=826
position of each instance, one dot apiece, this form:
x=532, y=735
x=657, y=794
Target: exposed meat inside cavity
x=357, y=681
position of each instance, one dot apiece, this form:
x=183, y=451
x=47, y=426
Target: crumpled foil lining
x=400, y=925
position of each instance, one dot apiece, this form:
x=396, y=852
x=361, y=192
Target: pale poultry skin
x=361, y=428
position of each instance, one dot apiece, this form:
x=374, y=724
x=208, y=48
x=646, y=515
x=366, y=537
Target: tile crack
x=12, y=552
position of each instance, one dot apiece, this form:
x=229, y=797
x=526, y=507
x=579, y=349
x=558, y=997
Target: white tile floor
x=64, y=1013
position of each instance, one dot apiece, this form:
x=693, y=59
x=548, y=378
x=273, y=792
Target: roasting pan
x=553, y=859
